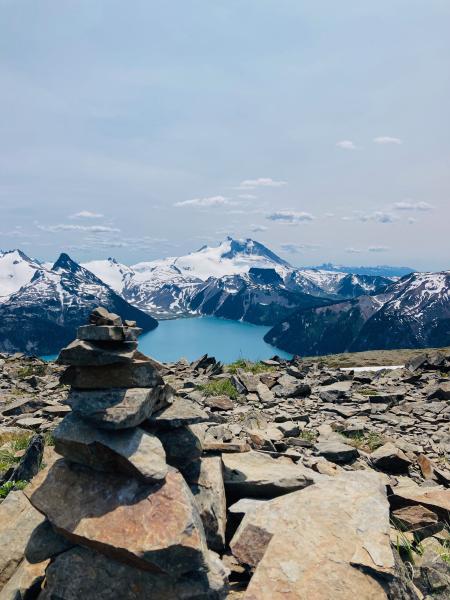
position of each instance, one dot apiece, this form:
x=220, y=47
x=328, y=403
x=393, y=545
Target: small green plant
x=219, y=387
x=49, y=440
x=308, y=434
x=29, y=370
x=9, y=486
x=366, y=441
x=367, y=392
x=407, y=549
x=248, y=366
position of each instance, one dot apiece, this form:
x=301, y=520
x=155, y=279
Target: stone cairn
x=118, y=495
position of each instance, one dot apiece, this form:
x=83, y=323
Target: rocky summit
x=124, y=478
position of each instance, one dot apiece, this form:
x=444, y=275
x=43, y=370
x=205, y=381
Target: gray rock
x=205, y=478
x=80, y=353
x=390, y=459
x=179, y=413
x=45, y=543
x=130, y=451
x=181, y=445
x=336, y=451
x=30, y=462
x=101, y=316
x=108, y=333
x=139, y=373
x=257, y=475
x=119, y=408
x=85, y=574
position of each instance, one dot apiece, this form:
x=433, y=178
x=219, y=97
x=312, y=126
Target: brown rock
x=219, y=403
x=108, y=333
x=330, y=541
x=154, y=527
x=417, y=518
x=25, y=581
x=390, y=459
x=179, y=413
x=101, y=316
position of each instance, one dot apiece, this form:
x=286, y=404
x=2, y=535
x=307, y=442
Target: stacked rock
x=116, y=494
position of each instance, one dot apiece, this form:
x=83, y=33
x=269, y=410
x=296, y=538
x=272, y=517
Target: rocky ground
x=311, y=482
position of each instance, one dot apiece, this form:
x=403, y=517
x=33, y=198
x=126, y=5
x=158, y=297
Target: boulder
x=204, y=477
x=153, y=527
x=45, y=543
x=133, y=452
x=390, y=459
x=138, y=373
x=257, y=475
x=18, y=518
x=85, y=574
x=441, y=392
x=328, y=541
x=119, y=408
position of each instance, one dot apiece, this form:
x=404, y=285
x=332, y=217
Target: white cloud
x=257, y=228
x=353, y=250
x=378, y=216
x=409, y=205
x=411, y=220
x=86, y=228
x=86, y=214
x=346, y=145
x=298, y=248
x=247, y=196
x=205, y=202
x=290, y=217
x=386, y=139
x=378, y=248
x=250, y=184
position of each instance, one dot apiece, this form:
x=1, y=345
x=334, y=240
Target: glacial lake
x=190, y=338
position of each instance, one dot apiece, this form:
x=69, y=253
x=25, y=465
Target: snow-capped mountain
x=173, y=286
x=413, y=312
x=16, y=270
x=379, y=270
x=43, y=314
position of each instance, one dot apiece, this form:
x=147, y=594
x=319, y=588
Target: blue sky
x=145, y=129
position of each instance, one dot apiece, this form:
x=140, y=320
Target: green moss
x=219, y=387
x=366, y=441
x=308, y=434
x=248, y=366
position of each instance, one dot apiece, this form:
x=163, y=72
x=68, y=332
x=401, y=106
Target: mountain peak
x=65, y=263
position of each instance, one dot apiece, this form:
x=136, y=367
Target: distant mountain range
x=40, y=305
x=380, y=270
x=413, y=312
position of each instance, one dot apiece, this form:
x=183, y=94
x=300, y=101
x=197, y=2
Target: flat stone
x=130, y=451
x=416, y=518
x=30, y=422
x=205, y=478
x=442, y=391
x=139, y=373
x=119, y=408
x=83, y=574
x=18, y=518
x=219, y=403
x=233, y=447
x=108, y=333
x=337, y=451
x=179, y=413
x=245, y=505
x=390, y=459
x=437, y=498
x=257, y=475
x=153, y=527
x=330, y=541
x=81, y=353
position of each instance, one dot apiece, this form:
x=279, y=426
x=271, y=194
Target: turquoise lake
x=191, y=338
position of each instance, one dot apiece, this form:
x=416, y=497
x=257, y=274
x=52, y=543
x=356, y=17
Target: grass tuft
x=9, y=486
x=219, y=387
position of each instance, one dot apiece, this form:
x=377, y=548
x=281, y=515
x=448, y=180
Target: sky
x=146, y=129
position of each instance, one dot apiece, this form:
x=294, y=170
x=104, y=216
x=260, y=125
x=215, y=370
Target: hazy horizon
x=147, y=130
